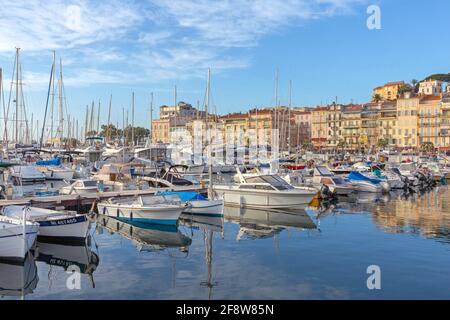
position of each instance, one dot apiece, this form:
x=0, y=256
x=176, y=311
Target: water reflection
x=18, y=279
x=147, y=237
x=65, y=255
x=258, y=224
x=209, y=226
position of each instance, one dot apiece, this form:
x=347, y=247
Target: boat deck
x=77, y=202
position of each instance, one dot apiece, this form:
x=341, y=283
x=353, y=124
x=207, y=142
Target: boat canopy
x=357, y=176
x=185, y=196
x=52, y=162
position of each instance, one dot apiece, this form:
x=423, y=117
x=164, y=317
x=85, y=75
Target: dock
x=79, y=202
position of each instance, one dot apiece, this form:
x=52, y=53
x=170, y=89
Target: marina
x=319, y=253
x=241, y=150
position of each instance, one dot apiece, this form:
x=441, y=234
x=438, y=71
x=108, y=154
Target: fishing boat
x=197, y=204
x=26, y=175
x=69, y=226
x=156, y=209
x=13, y=245
x=367, y=184
x=265, y=191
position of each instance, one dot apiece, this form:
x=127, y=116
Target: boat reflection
x=18, y=279
x=65, y=255
x=147, y=237
x=259, y=224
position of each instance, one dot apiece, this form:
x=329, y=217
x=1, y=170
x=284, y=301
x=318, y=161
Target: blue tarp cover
x=186, y=196
x=53, y=162
x=354, y=175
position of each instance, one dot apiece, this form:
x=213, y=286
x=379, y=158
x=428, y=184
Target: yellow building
x=319, y=129
x=161, y=131
x=406, y=131
x=429, y=119
x=351, y=124
x=334, y=125
x=389, y=91
x=388, y=122
x=445, y=123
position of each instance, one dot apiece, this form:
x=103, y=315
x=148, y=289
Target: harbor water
x=322, y=252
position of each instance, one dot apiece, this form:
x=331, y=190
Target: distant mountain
x=439, y=76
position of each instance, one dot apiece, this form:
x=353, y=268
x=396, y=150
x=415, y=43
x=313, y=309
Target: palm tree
x=377, y=98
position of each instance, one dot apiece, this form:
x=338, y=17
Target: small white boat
x=265, y=191
x=80, y=186
x=12, y=242
x=53, y=224
x=26, y=175
x=197, y=204
x=150, y=209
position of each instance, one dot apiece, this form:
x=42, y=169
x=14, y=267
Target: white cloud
x=158, y=39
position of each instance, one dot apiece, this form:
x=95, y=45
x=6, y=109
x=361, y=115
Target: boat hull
x=166, y=216
x=68, y=229
x=212, y=208
x=264, y=199
x=12, y=245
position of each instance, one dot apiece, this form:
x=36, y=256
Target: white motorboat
x=265, y=191
x=197, y=204
x=338, y=185
x=69, y=226
x=150, y=209
x=26, y=175
x=12, y=232
x=81, y=186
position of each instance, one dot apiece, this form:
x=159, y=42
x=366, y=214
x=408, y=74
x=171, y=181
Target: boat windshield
x=89, y=184
x=273, y=180
x=338, y=181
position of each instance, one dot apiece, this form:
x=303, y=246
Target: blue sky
x=118, y=47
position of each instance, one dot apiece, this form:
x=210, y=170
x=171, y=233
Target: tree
x=383, y=143
x=415, y=85
x=377, y=98
x=427, y=147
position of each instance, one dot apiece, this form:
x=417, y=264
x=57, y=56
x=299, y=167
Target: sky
x=122, y=46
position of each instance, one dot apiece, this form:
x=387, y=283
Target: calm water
x=254, y=254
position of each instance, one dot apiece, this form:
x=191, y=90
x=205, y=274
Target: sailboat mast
x=108, y=135
x=98, y=118
x=132, y=121
x=86, y=124
x=53, y=96
x=289, y=117
x=151, y=118
x=52, y=74
x=208, y=92
x=61, y=117
x=17, y=97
